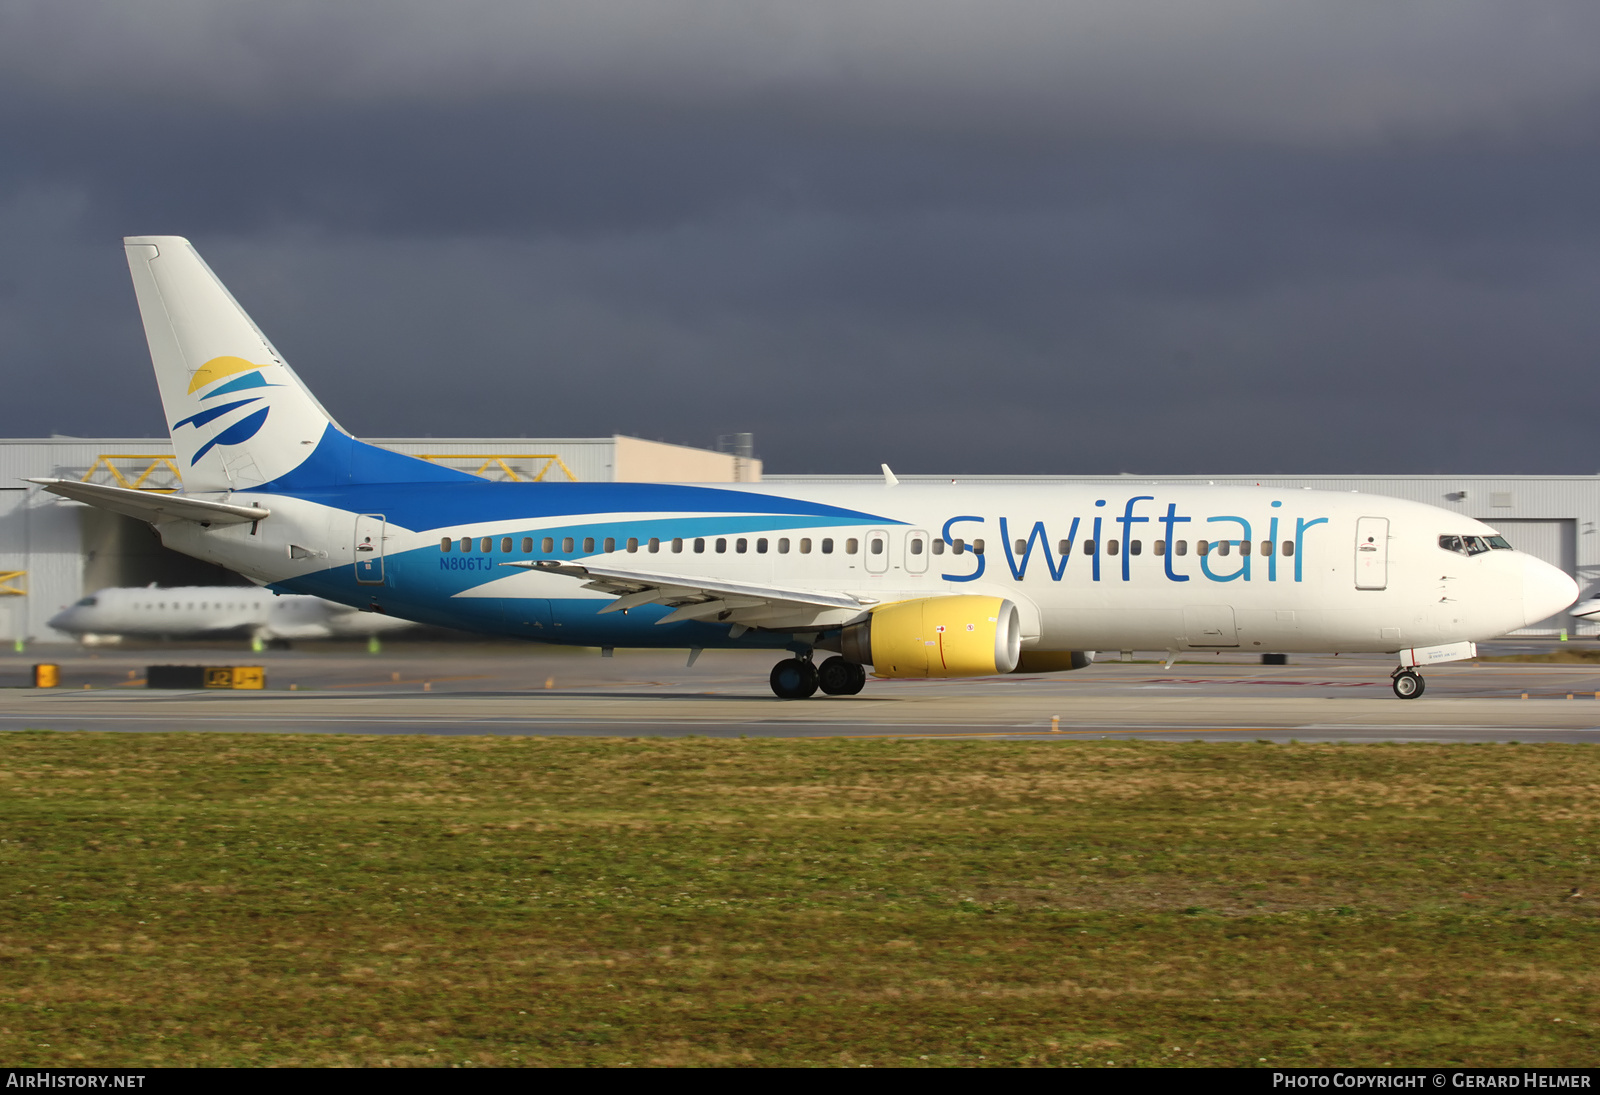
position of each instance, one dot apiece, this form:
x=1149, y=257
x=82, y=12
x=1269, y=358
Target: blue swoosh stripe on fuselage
x=442, y=506
x=665, y=529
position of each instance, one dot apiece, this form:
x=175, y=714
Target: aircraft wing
x=693, y=597
x=152, y=506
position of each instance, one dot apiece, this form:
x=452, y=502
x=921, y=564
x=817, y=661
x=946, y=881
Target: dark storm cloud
x=1002, y=237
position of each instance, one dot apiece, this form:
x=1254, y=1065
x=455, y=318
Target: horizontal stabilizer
x=152, y=506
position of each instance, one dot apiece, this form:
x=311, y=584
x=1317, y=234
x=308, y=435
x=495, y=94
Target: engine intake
x=957, y=636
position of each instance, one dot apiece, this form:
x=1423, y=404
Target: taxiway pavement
x=492, y=689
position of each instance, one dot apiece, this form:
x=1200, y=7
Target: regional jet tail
x=913, y=580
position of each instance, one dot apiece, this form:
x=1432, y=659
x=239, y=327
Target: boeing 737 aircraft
x=200, y=612
x=919, y=580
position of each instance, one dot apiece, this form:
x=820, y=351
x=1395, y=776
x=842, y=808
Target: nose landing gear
x=1408, y=683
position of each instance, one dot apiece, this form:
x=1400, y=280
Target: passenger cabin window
x=466, y=544
x=877, y=546
x=1288, y=548
x=487, y=544
x=1244, y=547
x=977, y=547
x=505, y=545
x=783, y=545
x=1160, y=547
x=1266, y=547
x=588, y=544
x=1021, y=547
x=655, y=545
x=916, y=545
x=547, y=544
x=937, y=546
x=761, y=545
x=958, y=546
x=722, y=545
x=611, y=543
x=633, y=544
x=699, y=545
x=1202, y=547
x=527, y=545
x=677, y=545
x=1180, y=547
x=1135, y=547
x=1064, y=547
x=851, y=546
x=827, y=545
x=741, y=545
x=1088, y=547
x=444, y=545
x=1111, y=547
x=566, y=543
x=1223, y=546
x=805, y=545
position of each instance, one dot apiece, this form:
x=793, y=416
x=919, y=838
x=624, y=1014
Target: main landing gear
x=1408, y=683
x=799, y=679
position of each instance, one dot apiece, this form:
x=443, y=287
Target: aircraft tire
x=794, y=679
x=840, y=676
x=1408, y=685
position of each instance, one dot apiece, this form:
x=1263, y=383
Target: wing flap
x=691, y=597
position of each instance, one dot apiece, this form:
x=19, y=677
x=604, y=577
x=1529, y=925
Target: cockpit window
x=1500, y=543
x=89, y=602
x=1469, y=545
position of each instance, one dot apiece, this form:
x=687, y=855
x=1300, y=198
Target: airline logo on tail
x=241, y=428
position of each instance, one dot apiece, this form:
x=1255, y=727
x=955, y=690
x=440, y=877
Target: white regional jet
x=925, y=580
x=198, y=612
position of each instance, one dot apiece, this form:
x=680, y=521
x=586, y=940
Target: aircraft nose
x=1546, y=590
x=60, y=620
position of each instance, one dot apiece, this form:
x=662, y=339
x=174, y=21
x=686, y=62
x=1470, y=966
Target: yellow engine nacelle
x=958, y=636
x=1053, y=661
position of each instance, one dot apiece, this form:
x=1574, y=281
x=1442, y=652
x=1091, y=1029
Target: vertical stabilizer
x=239, y=416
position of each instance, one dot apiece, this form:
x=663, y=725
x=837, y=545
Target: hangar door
x=1555, y=542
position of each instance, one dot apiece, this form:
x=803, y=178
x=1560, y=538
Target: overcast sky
x=1157, y=236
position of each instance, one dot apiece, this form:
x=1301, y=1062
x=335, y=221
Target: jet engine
x=957, y=636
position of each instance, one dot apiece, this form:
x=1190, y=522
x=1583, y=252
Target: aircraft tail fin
x=240, y=417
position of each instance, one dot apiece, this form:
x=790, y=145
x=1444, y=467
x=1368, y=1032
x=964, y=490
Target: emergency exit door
x=1372, y=553
x=369, y=548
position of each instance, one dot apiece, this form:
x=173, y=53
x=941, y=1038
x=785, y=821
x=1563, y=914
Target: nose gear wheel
x=1408, y=684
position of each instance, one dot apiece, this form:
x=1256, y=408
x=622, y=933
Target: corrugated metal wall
x=41, y=535
x=1553, y=517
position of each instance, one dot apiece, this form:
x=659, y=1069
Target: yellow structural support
x=7, y=577
x=107, y=462
x=503, y=462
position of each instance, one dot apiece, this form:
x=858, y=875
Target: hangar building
x=53, y=551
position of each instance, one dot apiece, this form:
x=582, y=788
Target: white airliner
x=913, y=580
x=1586, y=608
x=198, y=612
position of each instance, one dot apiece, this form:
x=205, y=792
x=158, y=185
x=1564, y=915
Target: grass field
x=252, y=899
